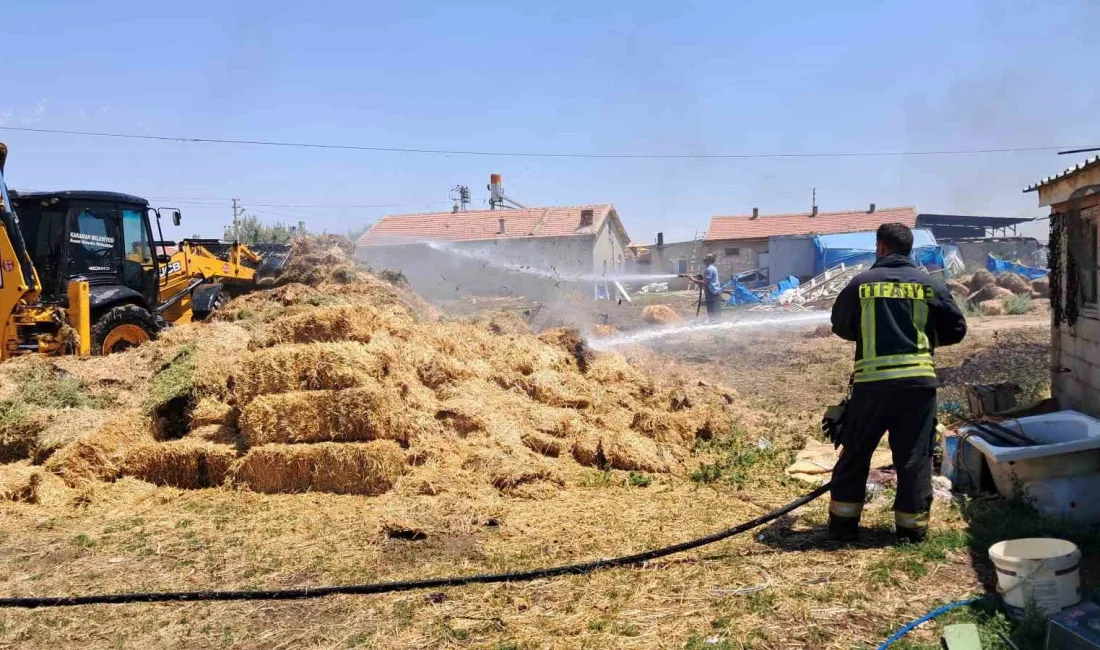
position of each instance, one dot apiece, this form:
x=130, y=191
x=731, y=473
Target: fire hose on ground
x=411, y=585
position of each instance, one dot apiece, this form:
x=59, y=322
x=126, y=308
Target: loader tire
x=121, y=328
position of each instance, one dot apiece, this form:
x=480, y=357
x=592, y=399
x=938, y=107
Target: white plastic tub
x=1069, y=445
x=1068, y=499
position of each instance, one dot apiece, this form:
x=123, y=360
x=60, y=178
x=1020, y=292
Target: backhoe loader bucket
x=273, y=258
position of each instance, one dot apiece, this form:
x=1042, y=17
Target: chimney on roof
x=587, y=216
x=660, y=240
x=756, y=213
x=501, y=231
x=872, y=210
x=814, y=213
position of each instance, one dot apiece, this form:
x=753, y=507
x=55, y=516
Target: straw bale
x=661, y=315
x=991, y=292
x=558, y=389
x=326, y=324
x=187, y=464
x=668, y=428
x=64, y=427
x=221, y=434
x=543, y=444
x=436, y=370
x=1014, y=283
x=571, y=342
x=980, y=279
x=1040, y=304
x=958, y=288
x=502, y=322
x=368, y=412
x=210, y=411
x=26, y=483
x=991, y=307
x=603, y=329
x=1041, y=286
x=629, y=452
x=369, y=468
x=20, y=428
x=588, y=451
x=609, y=369
x=305, y=366
x=96, y=455
x=464, y=416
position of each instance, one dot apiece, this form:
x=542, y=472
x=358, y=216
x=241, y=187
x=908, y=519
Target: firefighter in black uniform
x=897, y=315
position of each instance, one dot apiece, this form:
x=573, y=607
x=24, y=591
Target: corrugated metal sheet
x=1080, y=167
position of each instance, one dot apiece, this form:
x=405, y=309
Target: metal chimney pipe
x=496, y=191
x=660, y=239
x=756, y=213
x=872, y=210
x=814, y=213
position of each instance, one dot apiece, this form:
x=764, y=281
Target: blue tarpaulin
x=859, y=248
x=789, y=282
x=998, y=266
x=739, y=293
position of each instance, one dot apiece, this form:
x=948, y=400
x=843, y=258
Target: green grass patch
x=171, y=397
x=736, y=461
x=638, y=479
x=1017, y=305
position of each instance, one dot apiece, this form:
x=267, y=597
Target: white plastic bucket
x=1040, y=571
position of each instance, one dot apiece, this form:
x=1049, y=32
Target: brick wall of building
x=733, y=257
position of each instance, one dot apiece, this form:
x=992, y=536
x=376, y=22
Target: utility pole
x=236, y=223
x=460, y=197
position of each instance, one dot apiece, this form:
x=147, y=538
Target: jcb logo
x=170, y=269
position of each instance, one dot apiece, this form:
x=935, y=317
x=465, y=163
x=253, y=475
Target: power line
x=535, y=154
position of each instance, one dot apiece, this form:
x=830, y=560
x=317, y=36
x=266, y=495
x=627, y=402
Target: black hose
x=430, y=583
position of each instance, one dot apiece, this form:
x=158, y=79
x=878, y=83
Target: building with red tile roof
x=746, y=226
x=743, y=242
x=479, y=246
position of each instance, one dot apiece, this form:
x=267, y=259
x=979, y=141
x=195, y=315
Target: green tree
x=251, y=230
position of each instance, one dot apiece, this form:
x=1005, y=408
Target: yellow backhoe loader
x=80, y=272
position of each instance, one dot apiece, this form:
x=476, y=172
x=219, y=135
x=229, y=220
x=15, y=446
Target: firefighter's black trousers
x=909, y=414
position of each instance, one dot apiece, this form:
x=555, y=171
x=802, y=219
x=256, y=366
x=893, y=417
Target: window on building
x=1081, y=237
x=733, y=252
x=682, y=266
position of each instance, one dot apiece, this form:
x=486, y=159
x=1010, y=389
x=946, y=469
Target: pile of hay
x=661, y=315
x=957, y=288
x=990, y=292
x=1014, y=283
x=1040, y=288
x=991, y=307
x=980, y=279
x=354, y=388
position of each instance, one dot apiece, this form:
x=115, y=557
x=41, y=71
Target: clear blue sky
x=640, y=77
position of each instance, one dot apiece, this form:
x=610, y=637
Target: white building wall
x=609, y=250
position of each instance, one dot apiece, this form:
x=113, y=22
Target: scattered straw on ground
x=661, y=315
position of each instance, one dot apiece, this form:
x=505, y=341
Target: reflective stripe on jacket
x=897, y=315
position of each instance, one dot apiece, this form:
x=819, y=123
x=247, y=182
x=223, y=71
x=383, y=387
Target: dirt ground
x=784, y=586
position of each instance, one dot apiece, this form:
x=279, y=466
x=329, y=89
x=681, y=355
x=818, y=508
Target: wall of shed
x=790, y=255
x=485, y=268
x=747, y=257
x=1075, y=350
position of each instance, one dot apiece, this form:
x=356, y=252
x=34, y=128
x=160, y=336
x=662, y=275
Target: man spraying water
x=897, y=315
x=710, y=286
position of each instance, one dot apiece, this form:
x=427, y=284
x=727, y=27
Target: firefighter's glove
x=832, y=425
